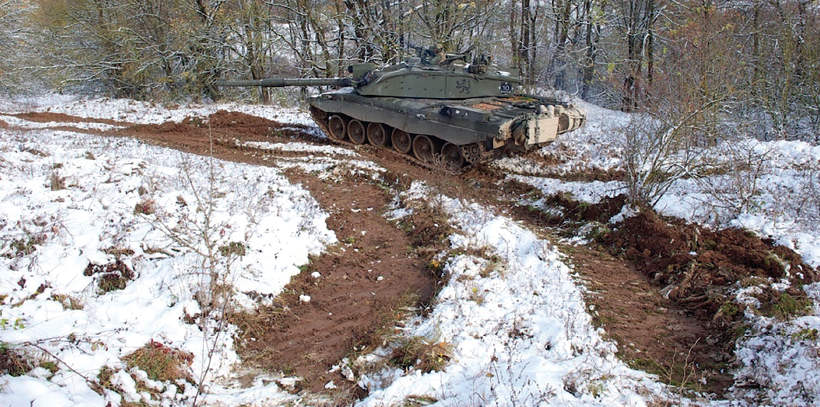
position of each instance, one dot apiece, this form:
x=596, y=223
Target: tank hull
x=476, y=126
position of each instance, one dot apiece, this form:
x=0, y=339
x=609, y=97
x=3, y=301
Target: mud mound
x=698, y=267
x=167, y=127
x=221, y=125
x=582, y=211
x=571, y=209
x=247, y=125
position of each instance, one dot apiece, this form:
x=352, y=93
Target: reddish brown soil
x=45, y=117
x=349, y=305
x=697, y=267
x=695, y=260
x=652, y=333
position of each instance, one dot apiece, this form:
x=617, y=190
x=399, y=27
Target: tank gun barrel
x=282, y=82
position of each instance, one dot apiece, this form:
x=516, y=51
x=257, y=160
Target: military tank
x=436, y=109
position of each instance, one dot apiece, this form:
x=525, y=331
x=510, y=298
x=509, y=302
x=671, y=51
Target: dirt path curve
x=363, y=279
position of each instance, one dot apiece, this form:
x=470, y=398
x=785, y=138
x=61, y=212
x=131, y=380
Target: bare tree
x=13, y=41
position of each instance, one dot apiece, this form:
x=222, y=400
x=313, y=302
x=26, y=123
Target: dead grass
x=25, y=245
x=56, y=182
x=12, y=361
x=784, y=306
x=146, y=207
x=419, y=353
x=68, y=302
x=111, y=276
x=161, y=362
x=386, y=330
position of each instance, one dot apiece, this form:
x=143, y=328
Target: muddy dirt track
x=349, y=301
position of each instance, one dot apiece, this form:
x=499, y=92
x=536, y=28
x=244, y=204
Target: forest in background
x=730, y=66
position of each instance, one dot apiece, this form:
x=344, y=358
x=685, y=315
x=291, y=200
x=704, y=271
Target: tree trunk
x=524, y=49
x=514, y=44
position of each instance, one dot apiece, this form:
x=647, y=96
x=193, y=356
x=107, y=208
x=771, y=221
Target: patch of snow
x=128, y=110
x=590, y=192
x=28, y=125
x=627, y=211
x=25, y=104
x=780, y=361
x=593, y=147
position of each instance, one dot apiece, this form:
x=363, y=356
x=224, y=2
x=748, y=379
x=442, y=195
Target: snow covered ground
x=69, y=200
x=521, y=334
x=132, y=111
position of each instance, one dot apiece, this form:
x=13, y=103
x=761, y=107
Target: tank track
x=321, y=119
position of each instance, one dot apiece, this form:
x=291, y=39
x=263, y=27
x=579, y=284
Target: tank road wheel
x=451, y=157
x=336, y=127
x=472, y=152
x=376, y=134
x=423, y=149
x=355, y=130
x=402, y=141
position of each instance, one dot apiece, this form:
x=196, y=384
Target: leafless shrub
x=813, y=193
x=199, y=232
x=734, y=179
x=658, y=150
x=194, y=227
x=422, y=354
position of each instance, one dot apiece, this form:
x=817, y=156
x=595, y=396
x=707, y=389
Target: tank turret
x=437, y=108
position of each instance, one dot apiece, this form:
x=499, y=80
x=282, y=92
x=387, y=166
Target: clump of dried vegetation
x=161, y=362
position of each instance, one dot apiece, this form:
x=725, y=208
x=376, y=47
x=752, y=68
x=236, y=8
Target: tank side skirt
x=409, y=122
x=318, y=118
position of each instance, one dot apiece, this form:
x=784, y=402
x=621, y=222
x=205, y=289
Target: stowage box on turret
x=441, y=110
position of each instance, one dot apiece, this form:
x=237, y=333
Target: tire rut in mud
x=363, y=282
